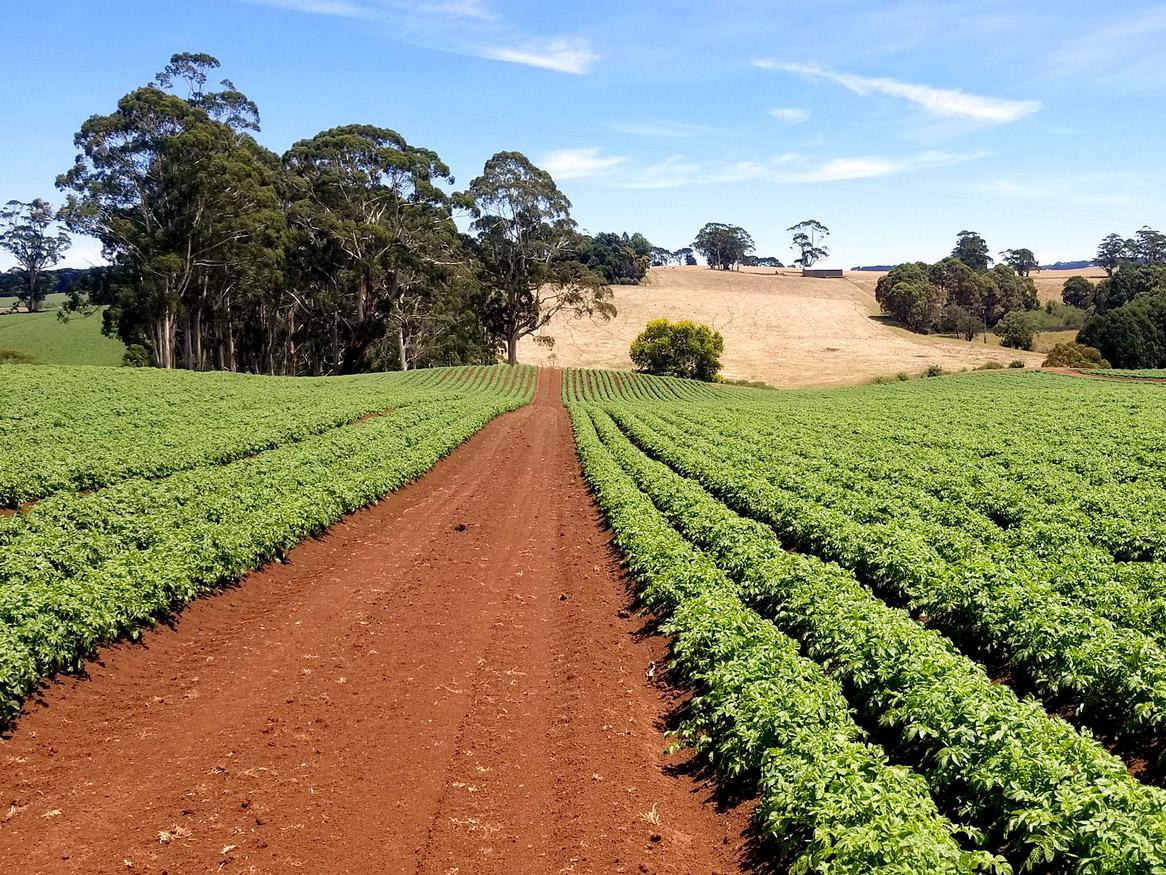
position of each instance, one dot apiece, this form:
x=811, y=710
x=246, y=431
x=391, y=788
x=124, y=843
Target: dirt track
x=442, y=683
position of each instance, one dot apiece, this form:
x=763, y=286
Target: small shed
x=822, y=272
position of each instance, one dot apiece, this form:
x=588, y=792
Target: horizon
x=897, y=125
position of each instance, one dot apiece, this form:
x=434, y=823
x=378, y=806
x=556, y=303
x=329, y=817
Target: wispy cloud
x=564, y=55
x=676, y=171
x=1127, y=48
x=577, y=163
x=663, y=128
x=943, y=102
x=790, y=115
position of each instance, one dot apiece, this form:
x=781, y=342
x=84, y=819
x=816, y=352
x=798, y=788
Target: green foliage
x=1078, y=292
x=619, y=258
x=678, y=349
x=1127, y=283
x=25, y=232
x=763, y=714
x=526, y=245
x=1016, y=330
x=936, y=502
x=1020, y=260
x=1133, y=335
x=78, y=570
x=1074, y=355
x=934, y=371
x=723, y=246
x=972, y=250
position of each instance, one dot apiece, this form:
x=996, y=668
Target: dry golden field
x=778, y=328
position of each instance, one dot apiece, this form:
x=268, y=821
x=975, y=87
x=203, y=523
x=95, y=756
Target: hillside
x=778, y=327
x=52, y=342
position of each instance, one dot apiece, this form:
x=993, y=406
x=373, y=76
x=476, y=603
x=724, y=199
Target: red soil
x=442, y=683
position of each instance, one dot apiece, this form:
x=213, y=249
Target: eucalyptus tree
x=26, y=232
x=1023, y=261
x=972, y=250
x=527, y=247
x=379, y=232
x=172, y=187
x=809, y=240
x=723, y=245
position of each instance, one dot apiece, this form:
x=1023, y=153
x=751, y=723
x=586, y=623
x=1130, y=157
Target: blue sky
x=898, y=124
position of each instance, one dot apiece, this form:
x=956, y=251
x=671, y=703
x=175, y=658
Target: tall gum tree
x=172, y=187
x=25, y=231
x=367, y=207
x=527, y=247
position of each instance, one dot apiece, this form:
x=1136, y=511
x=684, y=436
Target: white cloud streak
x=943, y=102
x=579, y=163
x=677, y=171
x=790, y=115
x=561, y=54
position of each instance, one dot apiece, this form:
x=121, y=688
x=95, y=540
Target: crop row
x=1116, y=675
x=948, y=517
x=80, y=570
x=1052, y=797
x=829, y=801
x=84, y=428
x=580, y=384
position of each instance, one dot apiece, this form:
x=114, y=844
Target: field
x=778, y=328
x=49, y=341
x=900, y=628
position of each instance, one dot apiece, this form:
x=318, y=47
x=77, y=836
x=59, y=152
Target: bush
x=990, y=366
x=1074, y=355
x=934, y=371
x=136, y=356
x=1016, y=363
x=1016, y=330
x=678, y=349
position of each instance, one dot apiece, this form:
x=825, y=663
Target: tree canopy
x=809, y=240
x=527, y=245
x=339, y=256
x=1020, y=260
x=26, y=233
x=723, y=246
x=678, y=349
x=972, y=250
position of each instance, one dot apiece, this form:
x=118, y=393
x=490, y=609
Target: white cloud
x=579, y=163
x=944, y=102
x=676, y=171
x=564, y=55
x=790, y=115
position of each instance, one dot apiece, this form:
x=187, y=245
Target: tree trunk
x=512, y=349
x=401, y=350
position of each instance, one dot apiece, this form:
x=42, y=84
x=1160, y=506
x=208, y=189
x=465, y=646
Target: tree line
x=963, y=294
x=1127, y=309
x=338, y=256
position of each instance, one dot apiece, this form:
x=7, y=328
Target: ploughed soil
x=449, y=681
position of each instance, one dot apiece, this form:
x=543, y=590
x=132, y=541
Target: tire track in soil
x=442, y=683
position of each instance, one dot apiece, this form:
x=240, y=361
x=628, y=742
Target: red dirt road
x=441, y=684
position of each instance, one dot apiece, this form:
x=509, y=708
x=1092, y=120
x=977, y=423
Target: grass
x=52, y=342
